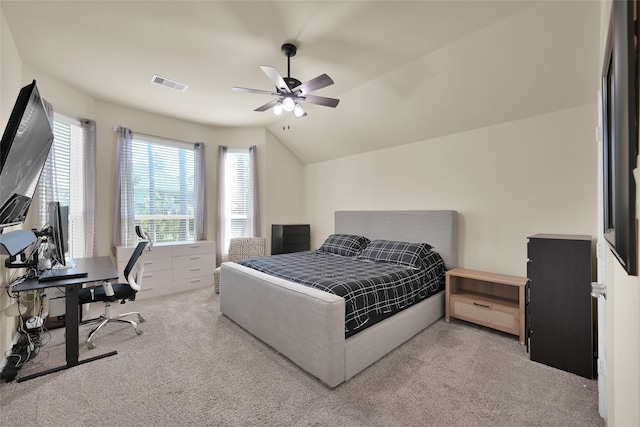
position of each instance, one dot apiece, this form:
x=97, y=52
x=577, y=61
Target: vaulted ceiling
x=403, y=71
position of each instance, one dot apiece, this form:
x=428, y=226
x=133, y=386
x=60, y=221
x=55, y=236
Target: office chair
x=241, y=248
x=109, y=293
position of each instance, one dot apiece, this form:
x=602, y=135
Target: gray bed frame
x=307, y=325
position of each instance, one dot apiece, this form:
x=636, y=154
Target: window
x=63, y=180
x=237, y=183
x=238, y=196
x=238, y=201
x=163, y=188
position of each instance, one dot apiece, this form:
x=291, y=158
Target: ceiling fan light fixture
x=277, y=109
x=288, y=104
x=298, y=111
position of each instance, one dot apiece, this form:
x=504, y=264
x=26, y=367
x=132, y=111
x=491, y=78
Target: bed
x=307, y=325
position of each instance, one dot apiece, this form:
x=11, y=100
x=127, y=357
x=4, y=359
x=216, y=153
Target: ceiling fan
x=291, y=91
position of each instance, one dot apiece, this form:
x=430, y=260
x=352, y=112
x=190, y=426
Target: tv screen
x=24, y=148
x=58, y=221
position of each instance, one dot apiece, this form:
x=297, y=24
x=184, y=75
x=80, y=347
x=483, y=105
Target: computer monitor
x=58, y=221
x=24, y=148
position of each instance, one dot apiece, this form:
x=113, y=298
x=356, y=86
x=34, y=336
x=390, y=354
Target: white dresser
x=172, y=267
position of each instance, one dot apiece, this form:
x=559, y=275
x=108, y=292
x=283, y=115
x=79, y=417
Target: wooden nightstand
x=488, y=299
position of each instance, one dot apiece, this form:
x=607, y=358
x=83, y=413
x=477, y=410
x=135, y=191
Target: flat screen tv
x=620, y=134
x=24, y=148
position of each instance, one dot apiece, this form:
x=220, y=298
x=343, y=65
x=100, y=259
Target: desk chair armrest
x=133, y=279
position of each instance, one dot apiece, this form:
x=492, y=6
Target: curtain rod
x=115, y=129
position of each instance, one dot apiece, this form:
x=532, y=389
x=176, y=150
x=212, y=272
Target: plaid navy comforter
x=372, y=290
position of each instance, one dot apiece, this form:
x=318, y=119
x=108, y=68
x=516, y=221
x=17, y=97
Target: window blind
x=62, y=180
x=238, y=180
x=163, y=187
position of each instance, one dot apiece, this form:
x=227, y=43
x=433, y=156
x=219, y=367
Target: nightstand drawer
x=485, y=312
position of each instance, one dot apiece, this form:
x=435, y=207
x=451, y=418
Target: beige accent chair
x=241, y=248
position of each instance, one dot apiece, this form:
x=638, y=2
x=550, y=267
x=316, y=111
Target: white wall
x=508, y=181
x=64, y=98
x=284, y=174
x=10, y=84
x=10, y=75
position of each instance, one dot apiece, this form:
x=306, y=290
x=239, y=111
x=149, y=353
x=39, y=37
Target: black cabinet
x=561, y=332
x=286, y=238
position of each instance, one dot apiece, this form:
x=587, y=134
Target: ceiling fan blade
x=276, y=78
x=320, y=100
x=268, y=105
x=262, y=92
x=315, y=84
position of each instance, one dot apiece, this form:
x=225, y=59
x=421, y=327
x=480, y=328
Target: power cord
x=30, y=340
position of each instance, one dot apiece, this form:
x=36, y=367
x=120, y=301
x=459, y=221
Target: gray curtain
x=254, y=198
x=123, y=215
x=89, y=175
x=200, y=214
x=220, y=226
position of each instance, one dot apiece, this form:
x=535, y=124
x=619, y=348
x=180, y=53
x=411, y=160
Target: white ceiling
x=404, y=71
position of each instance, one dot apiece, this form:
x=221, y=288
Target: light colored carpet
x=195, y=367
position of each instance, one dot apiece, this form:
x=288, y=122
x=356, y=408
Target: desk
x=98, y=269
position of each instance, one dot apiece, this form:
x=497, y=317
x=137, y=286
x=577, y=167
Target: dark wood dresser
x=286, y=238
x=560, y=306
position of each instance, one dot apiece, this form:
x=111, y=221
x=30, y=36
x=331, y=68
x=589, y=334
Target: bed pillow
x=348, y=245
x=402, y=253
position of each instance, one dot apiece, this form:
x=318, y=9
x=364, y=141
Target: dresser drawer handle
x=195, y=257
x=481, y=305
x=194, y=246
x=195, y=269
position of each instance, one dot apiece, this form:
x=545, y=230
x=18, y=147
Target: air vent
x=172, y=84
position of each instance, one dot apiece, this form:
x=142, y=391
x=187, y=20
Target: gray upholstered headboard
x=438, y=228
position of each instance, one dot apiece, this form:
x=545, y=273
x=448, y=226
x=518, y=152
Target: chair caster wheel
x=139, y=331
x=91, y=345
x=141, y=318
